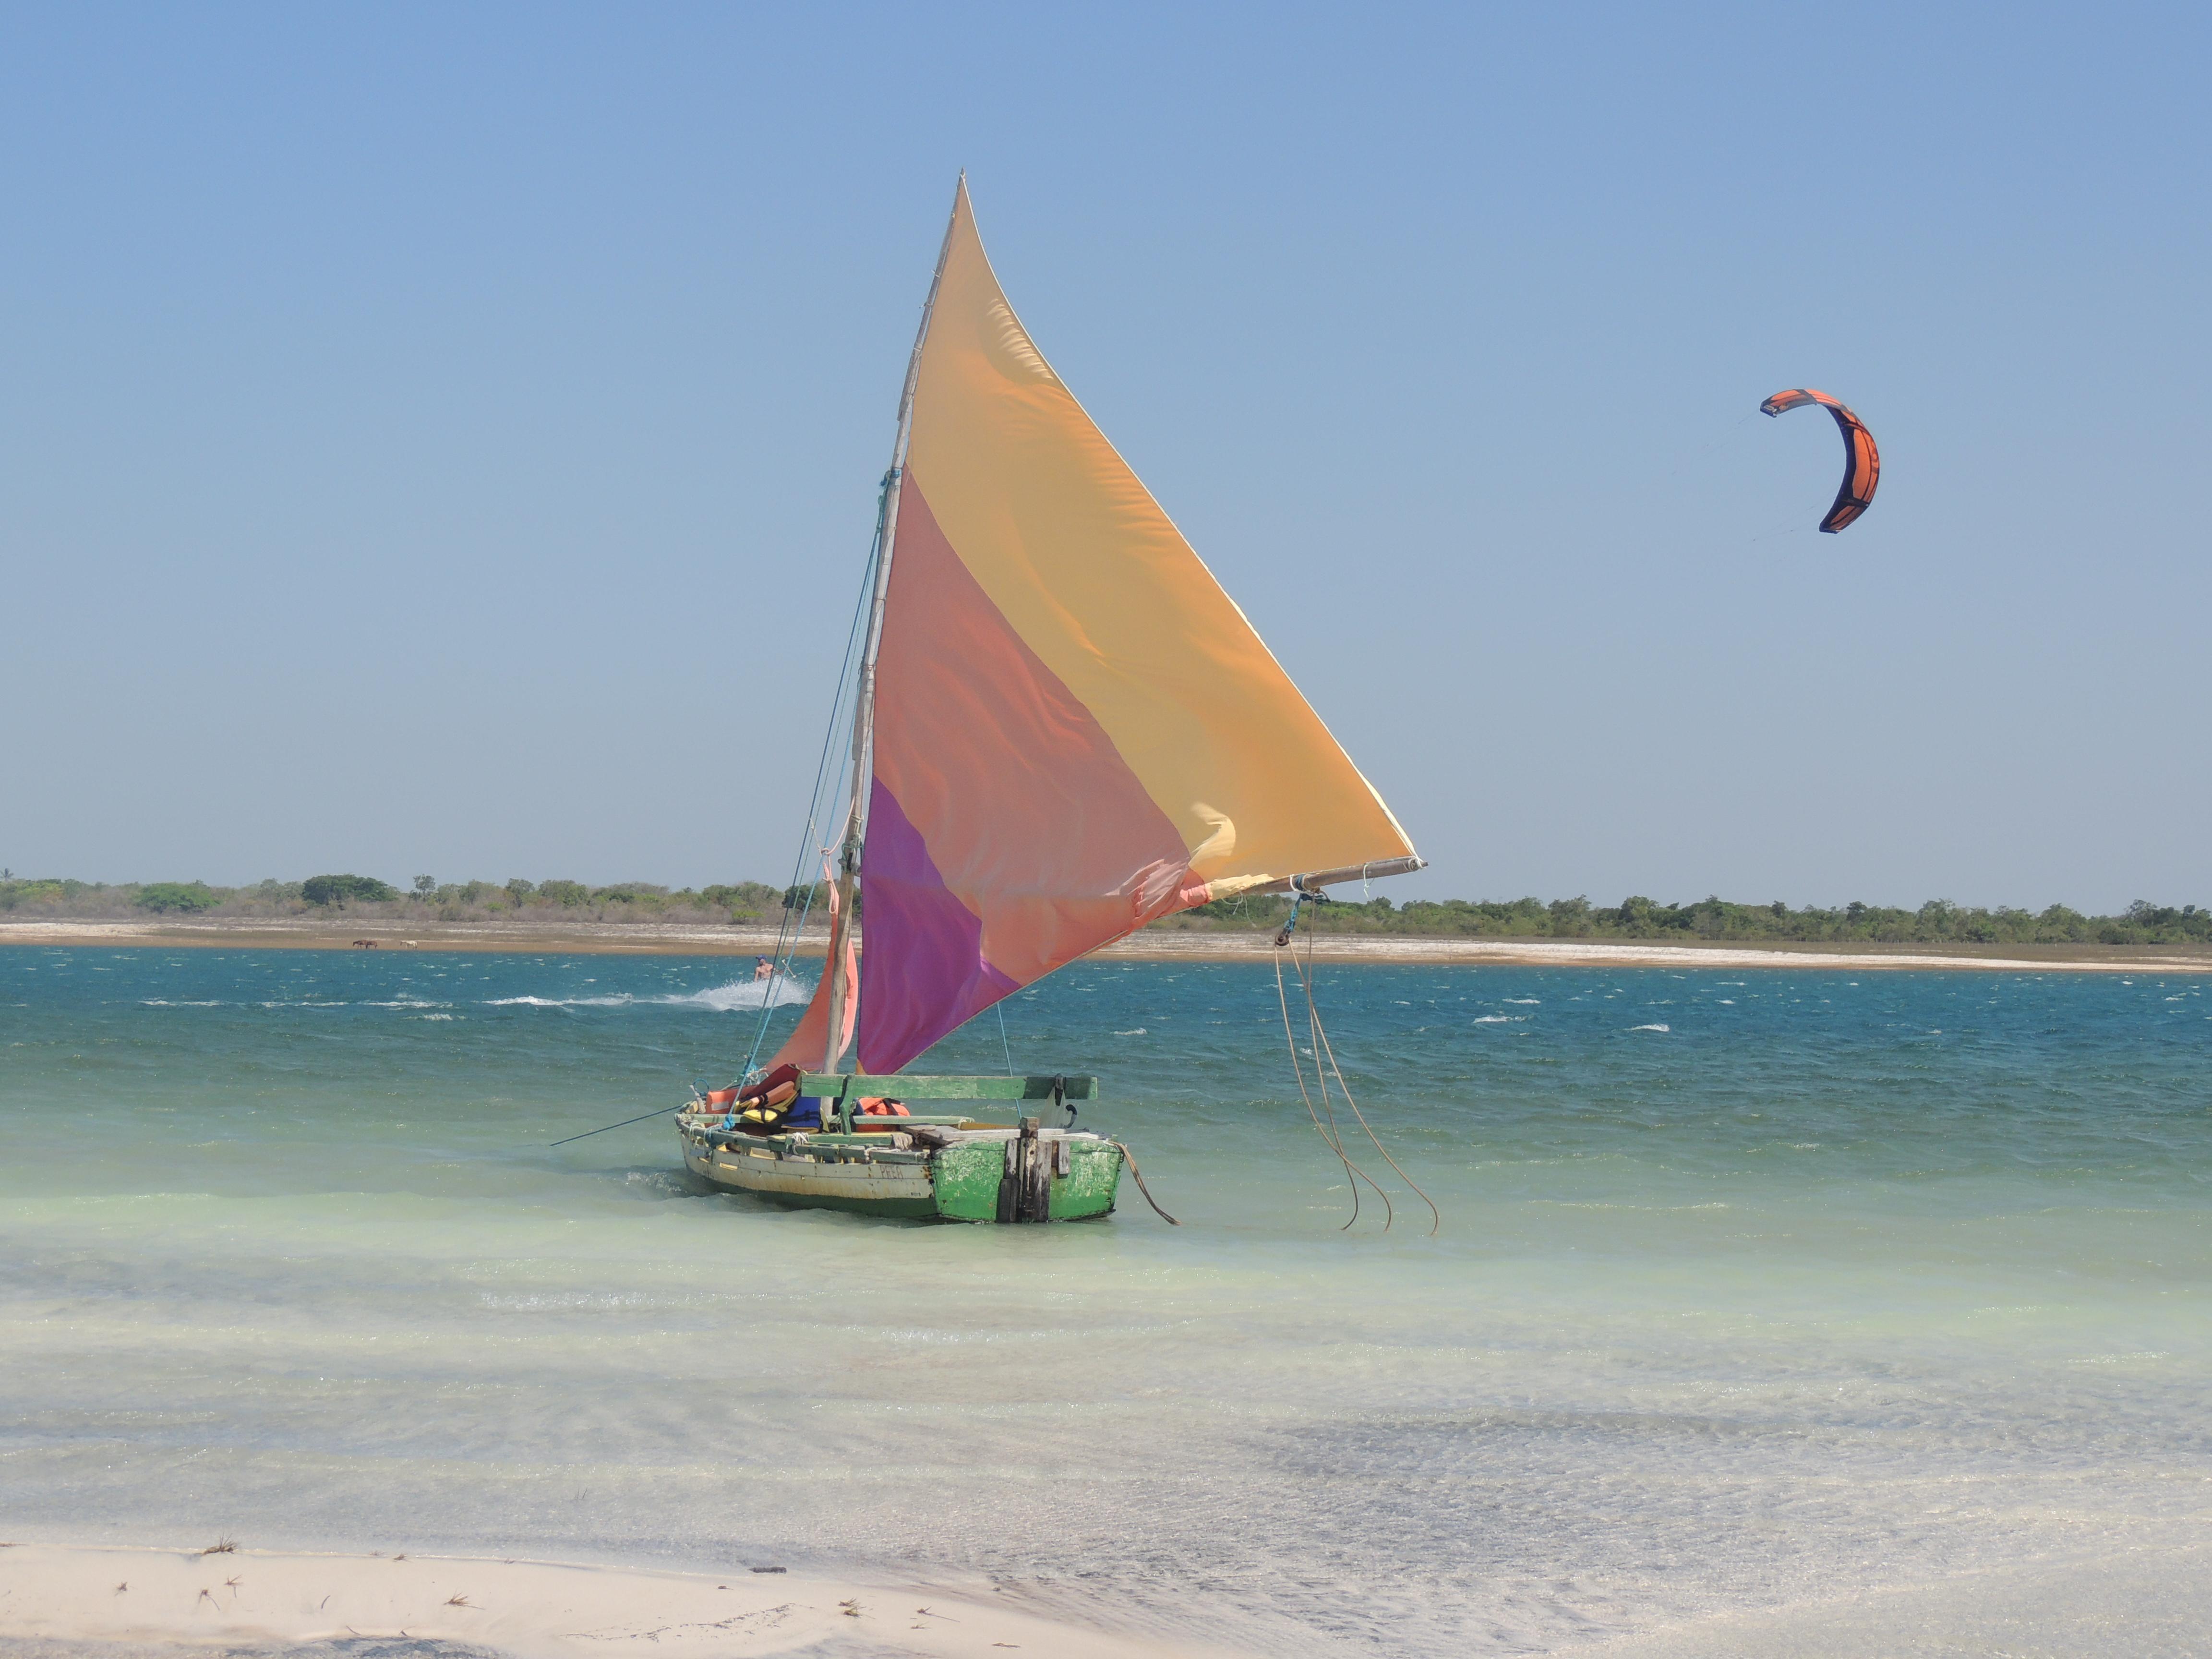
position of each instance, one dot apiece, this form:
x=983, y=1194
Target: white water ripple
x=784, y=991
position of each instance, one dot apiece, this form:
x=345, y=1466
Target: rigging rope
x=1321, y=1046
x=1353, y=1173
x=789, y=932
x=1321, y=1034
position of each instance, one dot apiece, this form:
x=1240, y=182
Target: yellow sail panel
x=1094, y=579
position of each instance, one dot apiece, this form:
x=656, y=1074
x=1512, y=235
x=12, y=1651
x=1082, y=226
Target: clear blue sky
x=443, y=438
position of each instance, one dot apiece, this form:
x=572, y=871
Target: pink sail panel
x=1006, y=836
x=930, y=974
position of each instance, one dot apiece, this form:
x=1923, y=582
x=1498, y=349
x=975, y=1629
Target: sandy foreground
x=1155, y=945
x=529, y=1609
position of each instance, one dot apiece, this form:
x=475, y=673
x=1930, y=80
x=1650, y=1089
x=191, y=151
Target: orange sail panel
x=808, y=1043
x=1076, y=732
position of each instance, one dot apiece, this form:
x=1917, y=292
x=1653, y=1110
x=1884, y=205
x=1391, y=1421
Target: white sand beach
x=1153, y=945
x=527, y=1609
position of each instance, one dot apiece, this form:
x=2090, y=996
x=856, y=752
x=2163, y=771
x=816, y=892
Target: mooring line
x=601, y=1129
x=1129, y=1158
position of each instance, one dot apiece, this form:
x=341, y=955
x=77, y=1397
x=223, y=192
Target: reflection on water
x=1753, y=1289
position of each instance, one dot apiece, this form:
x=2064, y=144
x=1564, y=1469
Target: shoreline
x=525, y=1608
x=1155, y=944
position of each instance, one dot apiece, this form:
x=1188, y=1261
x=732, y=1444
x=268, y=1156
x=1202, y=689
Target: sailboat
x=1062, y=730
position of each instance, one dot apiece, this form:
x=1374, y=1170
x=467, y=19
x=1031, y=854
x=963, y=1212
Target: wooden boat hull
x=980, y=1174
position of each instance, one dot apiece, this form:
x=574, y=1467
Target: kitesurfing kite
x=1861, y=460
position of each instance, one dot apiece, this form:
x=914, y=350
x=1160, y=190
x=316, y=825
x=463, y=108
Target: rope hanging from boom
x=1321, y=1047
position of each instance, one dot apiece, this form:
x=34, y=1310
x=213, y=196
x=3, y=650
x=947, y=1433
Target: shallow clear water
x=1754, y=1290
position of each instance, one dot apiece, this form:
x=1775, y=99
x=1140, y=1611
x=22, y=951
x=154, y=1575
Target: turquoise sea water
x=1771, y=1312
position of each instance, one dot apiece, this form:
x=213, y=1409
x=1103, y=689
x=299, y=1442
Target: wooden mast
x=842, y=990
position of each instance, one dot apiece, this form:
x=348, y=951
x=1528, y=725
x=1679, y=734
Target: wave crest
x=784, y=991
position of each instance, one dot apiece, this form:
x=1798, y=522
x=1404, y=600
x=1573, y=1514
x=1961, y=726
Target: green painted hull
x=988, y=1176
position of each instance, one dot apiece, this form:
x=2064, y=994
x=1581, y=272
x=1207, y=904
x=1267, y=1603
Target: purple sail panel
x=922, y=972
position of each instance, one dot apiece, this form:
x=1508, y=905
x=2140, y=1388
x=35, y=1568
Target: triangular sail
x=1076, y=730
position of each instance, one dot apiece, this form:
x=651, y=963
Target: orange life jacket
x=782, y=1082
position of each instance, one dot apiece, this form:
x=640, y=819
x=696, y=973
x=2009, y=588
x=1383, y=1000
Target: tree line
x=1938, y=922
x=426, y=897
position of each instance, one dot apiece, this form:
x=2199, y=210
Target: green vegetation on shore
x=368, y=898
x=1936, y=922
